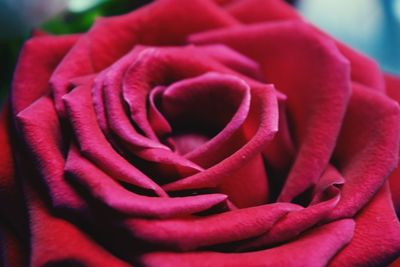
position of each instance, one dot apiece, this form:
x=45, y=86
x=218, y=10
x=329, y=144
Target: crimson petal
x=318, y=90
x=196, y=232
x=314, y=248
x=37, y=60
x=363, y=69
x=94, y=145
x=107, y=190
x=376, y=240
x=262, y=124
x=367, y=149
x=393, y=90
x=111, y=38
x=41, y=131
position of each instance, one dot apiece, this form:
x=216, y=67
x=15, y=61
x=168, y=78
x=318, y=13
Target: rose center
x=195, y=110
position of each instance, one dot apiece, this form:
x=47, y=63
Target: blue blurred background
x=372, y=26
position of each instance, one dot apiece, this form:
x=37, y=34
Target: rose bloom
x=199, y=133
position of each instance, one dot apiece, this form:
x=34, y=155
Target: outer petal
x=376, y=240
x=393, y=90
x=251, y=11
x=363, y=69
x=41, y=132
x=393, y=86
x=38, y=59
x=11, y=253
x=13, y=236
x=315, y=248
x=367, y=148
x=55, y=241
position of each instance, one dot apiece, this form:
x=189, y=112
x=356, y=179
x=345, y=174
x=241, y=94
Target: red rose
x=196, y=133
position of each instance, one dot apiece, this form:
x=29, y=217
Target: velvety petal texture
x=199, y=133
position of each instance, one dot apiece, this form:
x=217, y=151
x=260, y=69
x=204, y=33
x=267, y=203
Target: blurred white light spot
x=79, y=5
x=357, y=21
x=396, y=7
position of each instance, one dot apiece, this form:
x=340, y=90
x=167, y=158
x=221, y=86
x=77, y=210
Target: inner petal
x=198, y=109
x=187, y=142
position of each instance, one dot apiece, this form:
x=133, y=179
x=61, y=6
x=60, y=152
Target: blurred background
x=372, y=26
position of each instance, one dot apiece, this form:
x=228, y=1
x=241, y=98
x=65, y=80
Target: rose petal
x=261, y=126
x=321, y=84
x=249, y=185
x=393, y=86
x=196, y=232
x=396, y=263
x=330, y=178
x=56, y=241
x=251, y=11
x=393, y=90
x=296, y=222
x=146, y=147
x=363, y=69
x=157, y=121
x=111, y=38
x=371, y=245
x=12, y=223
x=12, y=253
x=315, y=248
x=367, y=149
x=233, y=60
x=37, y=60
x=280, y=152
x=112, y=104
x=94, y=145
x=218, y=102
x=394, y=181
x=170, y=64
x=106, y=190
x=41, y=131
